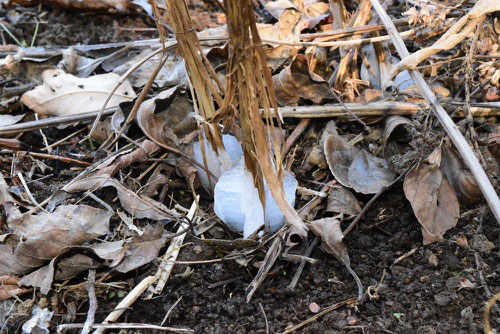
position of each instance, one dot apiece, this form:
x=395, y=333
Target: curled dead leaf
x=433, y=201
x=136, y=205
x=461, y=179
x=328, y=229
x=296, y=81
x=63, y=94
x=9, y=287
x=172, y=72
x=37, y=239
x=126, y=158
x=173, y=120
x=355, y=168
x=342, y=200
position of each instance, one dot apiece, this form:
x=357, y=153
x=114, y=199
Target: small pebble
x=197, y=249
x=314, y=308
x=425, y=279
x=442, y=299
x=352, y=320
x=433, y=260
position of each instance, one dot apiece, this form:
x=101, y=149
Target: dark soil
x=420, y=294
x=416, y=295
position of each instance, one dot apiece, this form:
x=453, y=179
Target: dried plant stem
x=271, y=256
x=127, y=301
x=205, y=83
x=292, y=138
x=249, y=87
x=339, y=43
x=450, y=127
x=370, y=203
x=92, y=303
x=302, y=264
x=168, y=260
x=491, y=302
x=328, y=110
x=350, y=302
x=64, y=327
x=339, y=33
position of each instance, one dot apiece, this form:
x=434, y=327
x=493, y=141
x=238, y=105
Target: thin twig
x=168, y=260
x=271, y=256
x=338, y=33
x=350, y=302
x=378, y=108
x=64, y=327
x=126, y=302
x=92, y=303
x=370, y=203
x=302, y=265
x=52, y=157
x=265, y=318
x=170, y=311
x=30, y=195
x=295, y=134
x=483, y=280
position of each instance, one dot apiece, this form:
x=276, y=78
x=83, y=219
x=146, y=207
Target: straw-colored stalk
x=207, y=87
x=249, y=87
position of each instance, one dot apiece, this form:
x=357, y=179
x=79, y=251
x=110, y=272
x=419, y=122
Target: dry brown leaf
x=124, y=256
x=462, y=29
x=10, y=119
x=462, y=241
x=172, y=72
x=392, y=124
x=37, y=239
x=355, y=168
x=328, y=229
x=276, y=8
x=285, y=29
x=467, y=284
x=125, y=159
x=296, y=81
x=461, y=179
x=433, y=201
x=142, y=250
x=63, y=94
x=64, y=266
x=9, y=287
x=494, y=142
x=342, y=200
x=137, y=206
x=317, y=8
x=396, y=135
x=162, y=128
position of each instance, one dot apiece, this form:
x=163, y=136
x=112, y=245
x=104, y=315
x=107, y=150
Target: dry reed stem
x=250, y=86
x=203, y=78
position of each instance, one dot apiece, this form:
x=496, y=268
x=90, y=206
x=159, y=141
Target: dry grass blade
x=202, y=75
x=361, y=17
x=249, y=86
